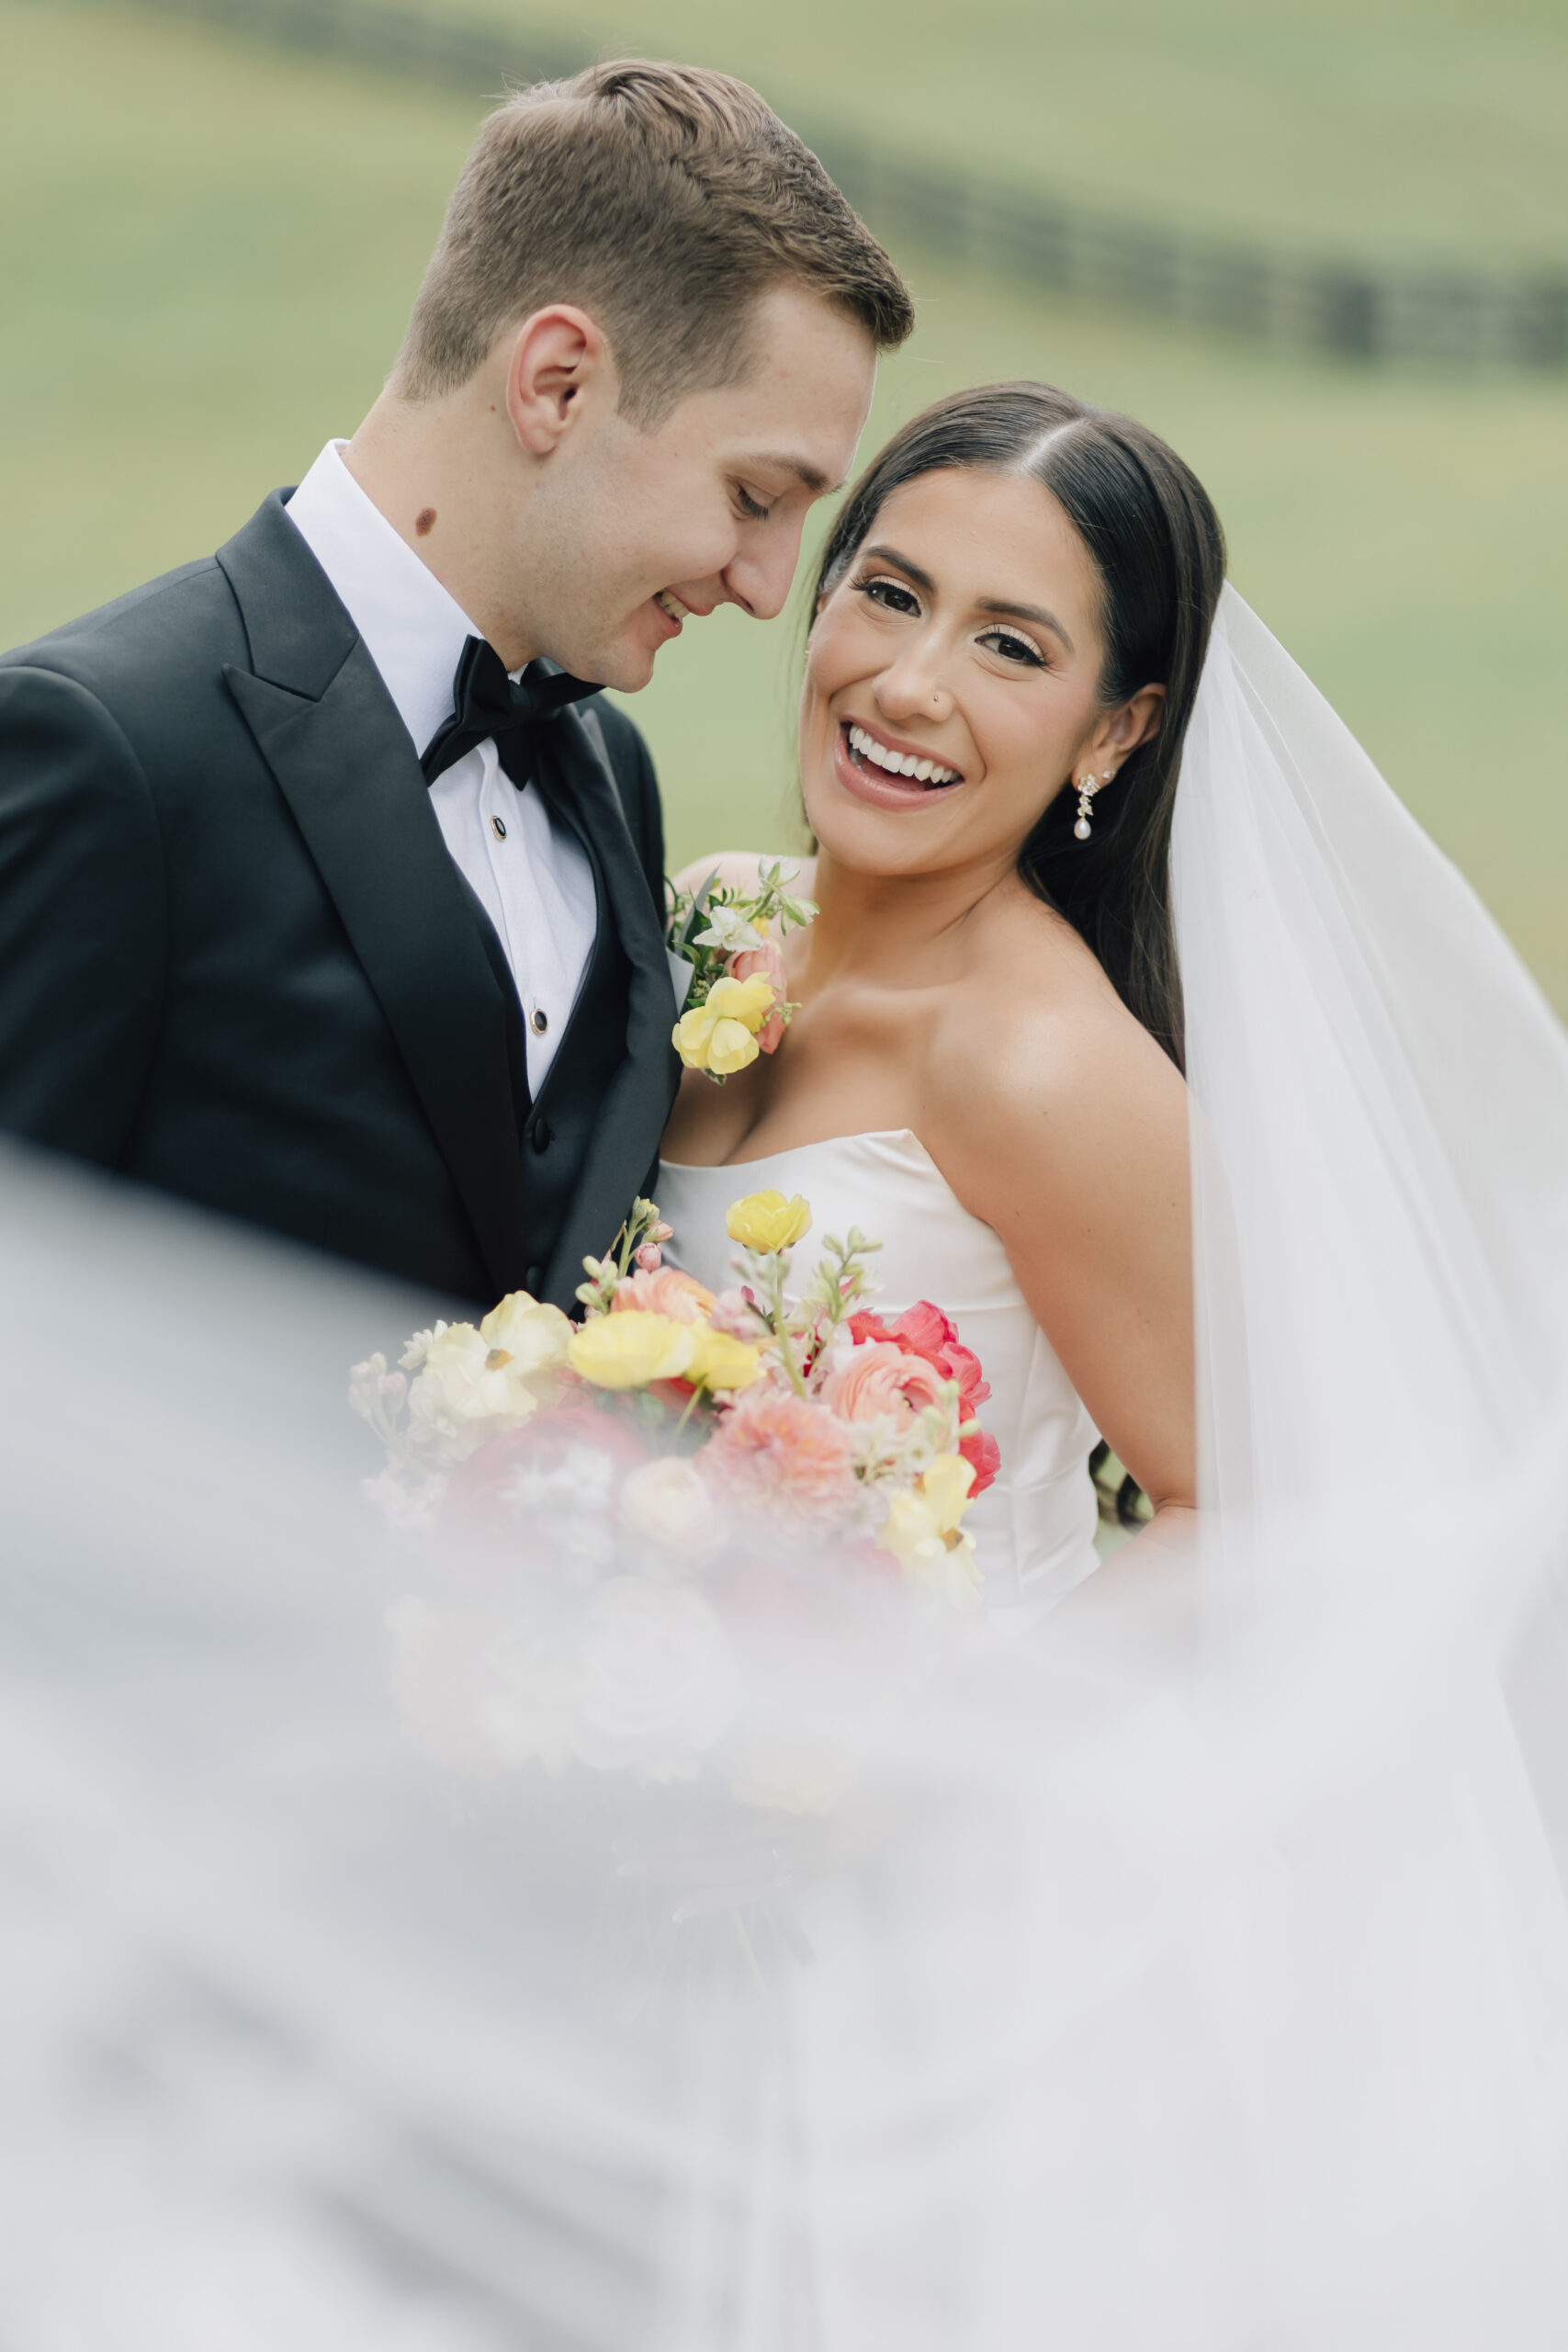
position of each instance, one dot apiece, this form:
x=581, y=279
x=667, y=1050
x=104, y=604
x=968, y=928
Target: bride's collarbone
x=818, y=1087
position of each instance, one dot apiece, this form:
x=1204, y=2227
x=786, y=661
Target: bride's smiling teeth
x=865, y=746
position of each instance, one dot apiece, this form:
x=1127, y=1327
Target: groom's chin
x=625, y=666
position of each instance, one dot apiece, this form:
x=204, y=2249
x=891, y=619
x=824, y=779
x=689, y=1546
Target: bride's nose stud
x=867, y=746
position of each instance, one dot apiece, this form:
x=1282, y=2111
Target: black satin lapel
x=348, y=771
x=638, y=1100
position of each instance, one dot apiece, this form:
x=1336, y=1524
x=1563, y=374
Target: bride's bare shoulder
x=1039, y=1076
x=739, y=868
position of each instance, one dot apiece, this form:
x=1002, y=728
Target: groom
x=330, y=897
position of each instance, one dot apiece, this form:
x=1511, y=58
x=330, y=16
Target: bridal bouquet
x=612, y=1507
x=735, y=1005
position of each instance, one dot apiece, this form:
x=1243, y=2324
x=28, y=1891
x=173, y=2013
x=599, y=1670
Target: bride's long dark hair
x=1156, y=539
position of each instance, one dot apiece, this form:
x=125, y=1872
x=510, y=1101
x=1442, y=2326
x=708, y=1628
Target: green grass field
x=207, y=253
x=1393, y=127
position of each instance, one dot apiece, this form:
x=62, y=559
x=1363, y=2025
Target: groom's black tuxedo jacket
x=237, y=962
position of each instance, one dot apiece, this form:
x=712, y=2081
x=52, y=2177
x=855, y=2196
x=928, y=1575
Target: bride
x=1156, y=1041
x=985, y=1068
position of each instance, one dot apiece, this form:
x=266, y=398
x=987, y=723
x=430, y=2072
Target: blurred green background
x=208, y=249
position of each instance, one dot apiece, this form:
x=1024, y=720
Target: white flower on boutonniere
x=729, y=931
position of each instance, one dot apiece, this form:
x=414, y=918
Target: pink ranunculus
x=666, y=1290
x=765, y=963
x=879, y=1378
x=924, y=1331
x=773, y=1453
x=649, y=1257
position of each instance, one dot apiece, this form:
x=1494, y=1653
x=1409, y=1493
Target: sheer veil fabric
x=1187, y=1976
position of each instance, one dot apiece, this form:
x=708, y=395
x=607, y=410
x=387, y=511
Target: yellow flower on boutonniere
x=767, y=1222
x=720, y=1035
x=628, y=1350
x=922, y=1531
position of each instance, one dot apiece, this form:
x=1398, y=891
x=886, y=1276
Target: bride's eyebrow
x=922, y=580
x=998, y=604
x=1035, y=613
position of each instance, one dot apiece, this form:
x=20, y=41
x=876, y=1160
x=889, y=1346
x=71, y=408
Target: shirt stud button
x=498, y=827
x=538, y=1020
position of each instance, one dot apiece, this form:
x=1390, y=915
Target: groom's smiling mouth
x=888, y=773
x=673, y=608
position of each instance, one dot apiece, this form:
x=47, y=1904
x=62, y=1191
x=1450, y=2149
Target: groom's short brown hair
x=661, y=198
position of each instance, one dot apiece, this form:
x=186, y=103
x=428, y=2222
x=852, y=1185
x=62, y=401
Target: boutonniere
x=736, y=1006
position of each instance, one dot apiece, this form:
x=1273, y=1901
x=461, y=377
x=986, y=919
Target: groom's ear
x=558, y=366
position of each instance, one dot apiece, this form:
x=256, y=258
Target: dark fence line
x=1449, y=317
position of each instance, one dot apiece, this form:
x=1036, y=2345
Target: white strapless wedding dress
x=1035, y=1527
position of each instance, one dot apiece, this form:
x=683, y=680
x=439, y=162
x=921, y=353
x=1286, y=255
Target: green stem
x=781, y=1330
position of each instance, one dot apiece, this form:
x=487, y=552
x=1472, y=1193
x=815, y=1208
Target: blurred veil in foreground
x=1190, y=1973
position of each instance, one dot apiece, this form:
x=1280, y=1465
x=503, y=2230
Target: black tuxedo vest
x=238, y=963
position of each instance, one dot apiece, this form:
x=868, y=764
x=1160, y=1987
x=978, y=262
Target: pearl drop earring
x=1087, y=786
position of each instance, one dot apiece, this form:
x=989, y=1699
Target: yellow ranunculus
x=721, y=1361
x=767, y=1221
x=628, y=1351
x=922, y=1531
x=730, y=1047
x=721, y=1033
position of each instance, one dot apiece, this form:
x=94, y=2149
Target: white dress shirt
x=529, y=872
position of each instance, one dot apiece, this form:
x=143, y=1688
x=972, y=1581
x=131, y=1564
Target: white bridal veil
x=1190, y=1976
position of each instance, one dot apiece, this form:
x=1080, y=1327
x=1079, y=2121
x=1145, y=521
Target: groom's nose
x=760, y=577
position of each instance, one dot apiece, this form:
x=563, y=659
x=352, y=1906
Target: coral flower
x=666, y=1290
x=776, y=1454
x=765, y=963
x=879, y=1379
x=924, y=1331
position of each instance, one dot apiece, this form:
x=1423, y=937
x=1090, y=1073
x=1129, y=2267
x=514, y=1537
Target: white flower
x=531, y=1708
x=729, y=931
x=657, y=1681
x=667, y=1503
x=471, y=1384
x=567, y=1508
x=407, y=1500
x=365, y=1390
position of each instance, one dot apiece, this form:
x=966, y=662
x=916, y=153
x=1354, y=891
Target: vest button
x=534, y=1281
x=540, y=1135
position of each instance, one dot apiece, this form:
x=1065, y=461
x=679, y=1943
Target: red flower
x=924, y=1331
x=984, y=1456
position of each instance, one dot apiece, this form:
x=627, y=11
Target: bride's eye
x=1012, y=649
x=891, y=594
x=752, y=508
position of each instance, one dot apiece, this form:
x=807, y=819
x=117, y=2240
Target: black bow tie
x=486, y=703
